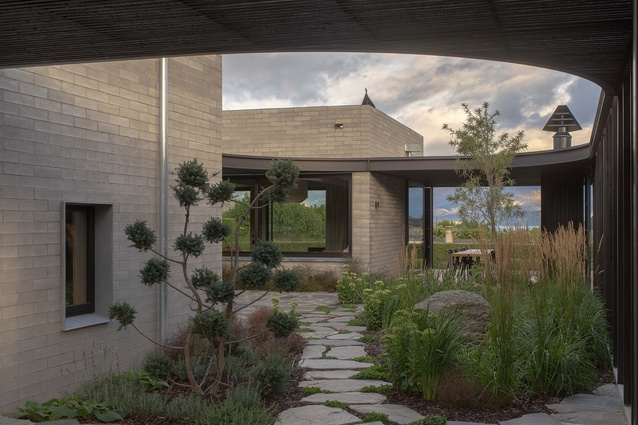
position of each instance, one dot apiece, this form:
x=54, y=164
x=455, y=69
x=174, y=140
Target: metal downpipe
x=163, y=171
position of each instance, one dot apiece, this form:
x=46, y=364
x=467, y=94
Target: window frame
x=263, y=218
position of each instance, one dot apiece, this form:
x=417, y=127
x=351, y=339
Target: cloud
x=422, y=92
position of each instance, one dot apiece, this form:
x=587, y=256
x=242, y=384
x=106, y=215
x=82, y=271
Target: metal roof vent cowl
x=562, y=122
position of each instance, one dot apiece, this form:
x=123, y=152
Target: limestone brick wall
x=310, y=132
x=387, y=229
x=88, y=134
x=362, y=206
x=378, y=232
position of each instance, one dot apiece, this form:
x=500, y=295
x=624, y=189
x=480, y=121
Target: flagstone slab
x=347, y=353
x=314, y=318
x=323, y=327
x=396, y=413
x=313, y=375
x=592, y=418
x=325, y=364
x=353, y=397
x=342, y=318
x=313, y=351
x=322, y=331
x=532, y=419
x=342, y=385
x=344, y=326
x=580, y=401
x=316, y=415
x=5, y=420
x=334, y=342
x=349, y=336
x=316, y=335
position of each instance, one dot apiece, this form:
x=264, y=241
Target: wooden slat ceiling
x=585, y=37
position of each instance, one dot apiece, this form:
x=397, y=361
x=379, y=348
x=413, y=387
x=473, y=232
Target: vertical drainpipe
x=163, y=171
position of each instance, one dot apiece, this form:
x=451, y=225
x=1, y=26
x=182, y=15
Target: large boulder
x=474, y=307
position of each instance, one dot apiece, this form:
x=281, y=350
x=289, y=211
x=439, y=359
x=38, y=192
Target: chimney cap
x=562, y=118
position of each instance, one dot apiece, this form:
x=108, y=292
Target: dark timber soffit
x=586, y=37
x=527, y=168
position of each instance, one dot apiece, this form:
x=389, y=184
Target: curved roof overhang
x=527, y=168
x=588, y=38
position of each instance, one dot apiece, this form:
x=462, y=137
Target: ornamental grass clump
x=566, y=330
x=212, y=299
x=548, y=333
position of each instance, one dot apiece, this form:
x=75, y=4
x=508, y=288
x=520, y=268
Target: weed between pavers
x=337, y=404
x=315, y=390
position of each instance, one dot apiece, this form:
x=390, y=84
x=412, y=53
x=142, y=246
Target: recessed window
x=80, y=260
x=87, y=264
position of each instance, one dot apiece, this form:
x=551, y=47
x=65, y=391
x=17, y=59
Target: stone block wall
x=89, y=134
x=378, y=232
x=311, y=133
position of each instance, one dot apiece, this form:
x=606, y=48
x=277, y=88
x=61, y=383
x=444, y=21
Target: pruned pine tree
x=212, y=298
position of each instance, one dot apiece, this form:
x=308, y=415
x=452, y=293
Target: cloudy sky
x=422, y=92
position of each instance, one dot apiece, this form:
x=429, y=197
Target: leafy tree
x=485, y=165
x=204, y=288
x=298, y=222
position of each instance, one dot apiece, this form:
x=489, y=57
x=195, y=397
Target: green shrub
x=185, y=409
x=198, y=365
x=243, y=405
x=158, y=364
x=272, y=374
x=381, y=302
x=419, y=349
x=128, y=395
x=350, y=286
x=148, y=382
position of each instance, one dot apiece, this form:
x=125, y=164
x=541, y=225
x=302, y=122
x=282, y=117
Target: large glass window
x=314, y=220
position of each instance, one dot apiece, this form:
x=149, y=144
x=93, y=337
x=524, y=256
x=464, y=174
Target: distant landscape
x=527, y=196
